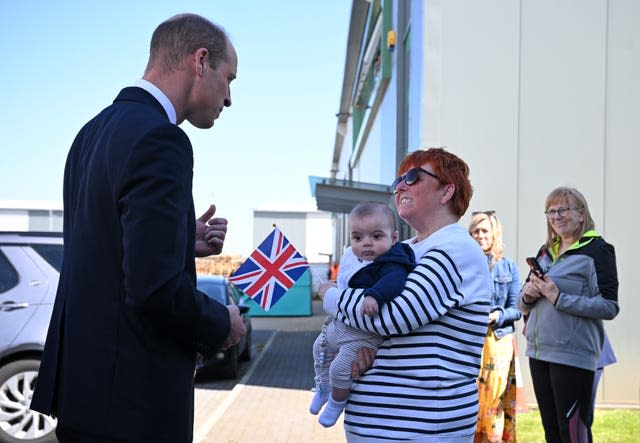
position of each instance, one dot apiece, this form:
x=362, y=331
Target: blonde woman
x=496, y=382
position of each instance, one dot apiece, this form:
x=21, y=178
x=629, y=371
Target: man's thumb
x=208, y=214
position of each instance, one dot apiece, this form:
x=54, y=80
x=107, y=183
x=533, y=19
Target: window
x=51, y=253
x=8, y=274
x=215, y=290
x=374, y=72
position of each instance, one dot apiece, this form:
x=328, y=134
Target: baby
x=377, y=263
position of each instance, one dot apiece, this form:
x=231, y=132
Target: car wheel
x=246, y=354
x=18, y=423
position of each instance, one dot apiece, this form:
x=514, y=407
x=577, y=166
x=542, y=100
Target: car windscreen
x=214, y=290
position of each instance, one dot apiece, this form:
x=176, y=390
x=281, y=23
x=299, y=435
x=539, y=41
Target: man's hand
x=369, y=306
x=210, y=233
x=237, y=330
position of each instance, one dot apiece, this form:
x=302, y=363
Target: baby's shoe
x=319, y=399
x=331, y=412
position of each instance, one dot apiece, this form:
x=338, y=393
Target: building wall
x=19, y=215
x=310, y=231
x=319, y=236
x=530, y=102
x=533, y=95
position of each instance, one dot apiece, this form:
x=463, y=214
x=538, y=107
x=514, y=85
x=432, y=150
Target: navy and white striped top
x=422, y=385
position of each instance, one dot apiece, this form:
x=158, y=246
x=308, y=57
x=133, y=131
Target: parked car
x=30, y=264
x=29, y=268
x=225, y=362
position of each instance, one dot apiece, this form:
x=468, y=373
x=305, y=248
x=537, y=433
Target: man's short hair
x=182, y=35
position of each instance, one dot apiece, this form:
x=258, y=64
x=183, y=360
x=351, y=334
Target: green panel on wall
x=295, y=303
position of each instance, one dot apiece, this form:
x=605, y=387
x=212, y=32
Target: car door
x=23, y=285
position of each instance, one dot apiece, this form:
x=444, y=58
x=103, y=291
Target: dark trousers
x=68, y=435
x=564, y=398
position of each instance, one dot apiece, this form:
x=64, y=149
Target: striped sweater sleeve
x=431, y=290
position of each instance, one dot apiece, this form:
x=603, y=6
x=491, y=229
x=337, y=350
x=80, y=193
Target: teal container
x=296, y=302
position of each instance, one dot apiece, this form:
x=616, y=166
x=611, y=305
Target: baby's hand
x=369, y=306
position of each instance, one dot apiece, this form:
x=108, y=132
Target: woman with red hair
x=421, y=385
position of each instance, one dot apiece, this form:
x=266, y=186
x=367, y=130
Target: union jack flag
x=270, y=270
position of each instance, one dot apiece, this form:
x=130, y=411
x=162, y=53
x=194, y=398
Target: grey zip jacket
x=571, y=331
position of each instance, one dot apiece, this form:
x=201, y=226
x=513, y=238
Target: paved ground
x=271, y=401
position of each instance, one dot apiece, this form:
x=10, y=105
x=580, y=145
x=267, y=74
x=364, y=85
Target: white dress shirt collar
x=160, y=96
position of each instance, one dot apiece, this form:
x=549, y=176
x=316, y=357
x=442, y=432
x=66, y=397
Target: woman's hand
x=530, y=291
x=547, y=288
x=364, y=361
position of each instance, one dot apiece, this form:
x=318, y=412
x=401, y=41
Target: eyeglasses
x=488, y=213
x=411, y=177
x=560, y=212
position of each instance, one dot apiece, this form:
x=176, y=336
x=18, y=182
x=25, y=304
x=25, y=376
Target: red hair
x=449, y=168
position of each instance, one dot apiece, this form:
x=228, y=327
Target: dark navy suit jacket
x=127, y=322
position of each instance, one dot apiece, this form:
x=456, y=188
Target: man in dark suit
x=120, y=354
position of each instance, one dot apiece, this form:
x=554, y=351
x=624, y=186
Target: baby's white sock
x=319, y=399
x=331, y=412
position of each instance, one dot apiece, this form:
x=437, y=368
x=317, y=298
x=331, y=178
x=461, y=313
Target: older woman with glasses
x=496, y=382
x=565, y=304
x=421, y=386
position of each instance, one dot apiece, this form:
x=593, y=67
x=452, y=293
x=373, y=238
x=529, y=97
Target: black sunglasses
x=411, y=177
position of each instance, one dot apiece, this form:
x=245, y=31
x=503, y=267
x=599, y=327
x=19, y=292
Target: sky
x=64, y=61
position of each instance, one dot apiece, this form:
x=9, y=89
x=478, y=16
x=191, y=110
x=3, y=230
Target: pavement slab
x=271, y=401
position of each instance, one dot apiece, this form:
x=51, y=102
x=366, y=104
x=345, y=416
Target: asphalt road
x=270, y=399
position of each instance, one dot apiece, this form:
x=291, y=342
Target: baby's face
x=371, y=237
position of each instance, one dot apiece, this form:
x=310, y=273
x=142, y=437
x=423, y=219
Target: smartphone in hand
x=535, y=266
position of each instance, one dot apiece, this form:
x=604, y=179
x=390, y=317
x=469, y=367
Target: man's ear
x=201, y=60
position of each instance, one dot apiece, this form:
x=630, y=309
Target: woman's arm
x=431, y=290
x=602, y=286
x=510, y=312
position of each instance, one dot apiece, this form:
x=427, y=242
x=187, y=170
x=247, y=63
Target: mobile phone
x=531, y=261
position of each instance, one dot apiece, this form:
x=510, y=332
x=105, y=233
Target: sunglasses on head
x=489, y=213
x=411, y=177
